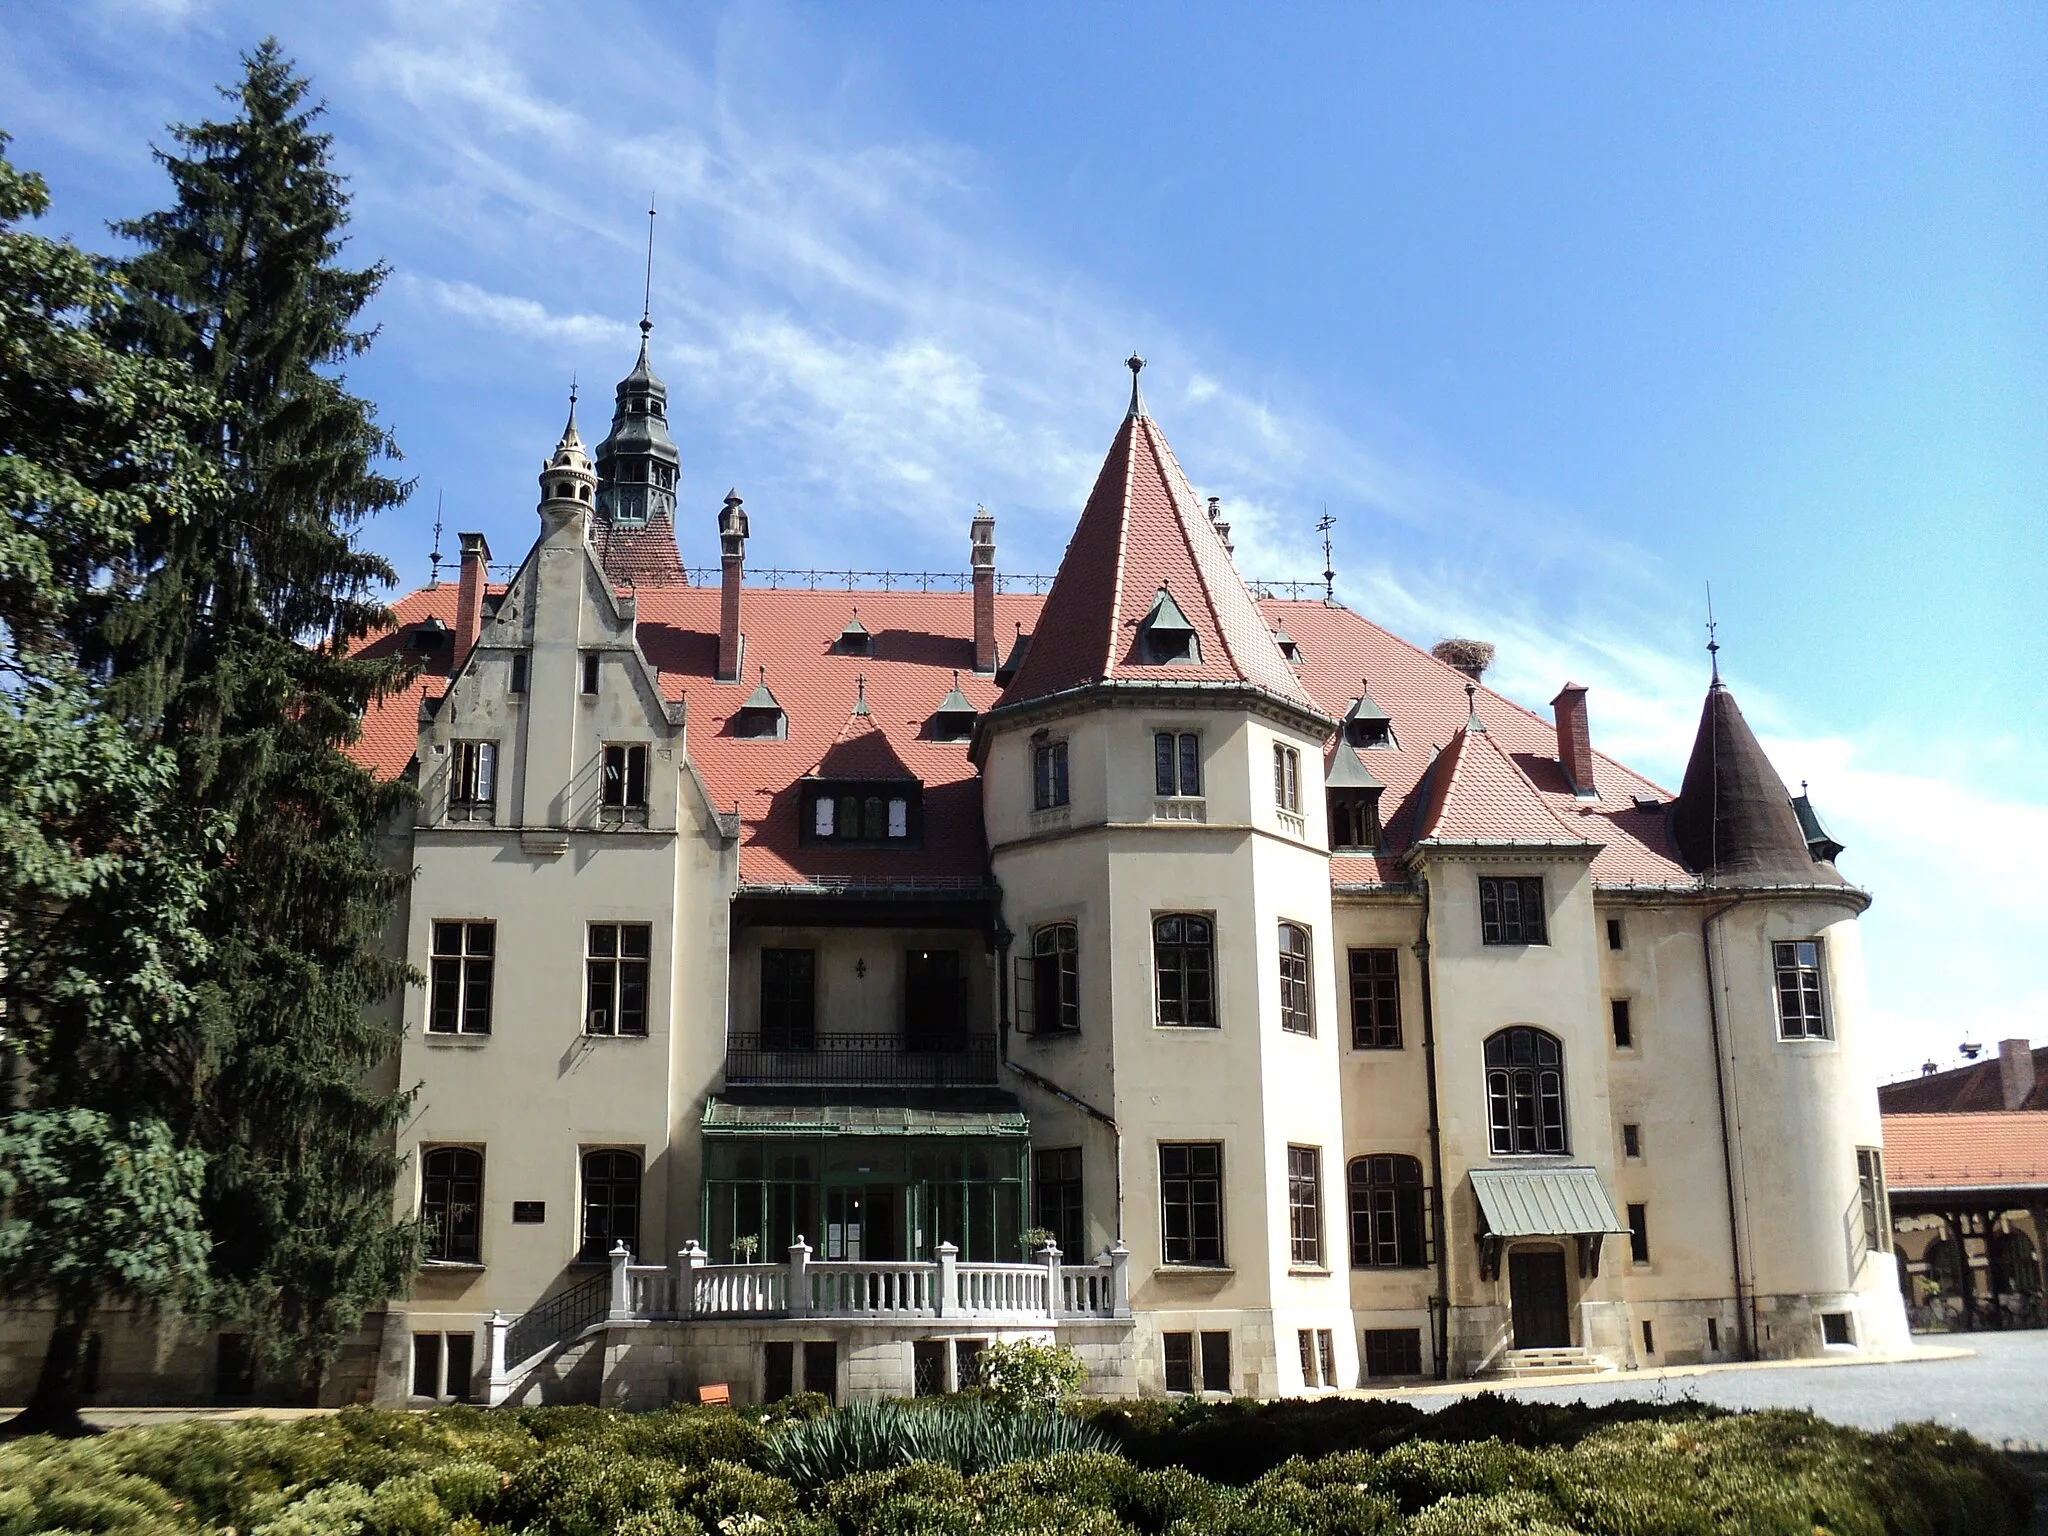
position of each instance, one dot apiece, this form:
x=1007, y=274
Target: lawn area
x=1334, y=1468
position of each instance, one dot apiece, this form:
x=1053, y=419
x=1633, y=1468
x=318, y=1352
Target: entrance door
x=1536, y=1290
x=860, y=1223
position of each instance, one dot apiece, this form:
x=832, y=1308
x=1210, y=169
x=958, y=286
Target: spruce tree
x=229, y=639
x=99, y=864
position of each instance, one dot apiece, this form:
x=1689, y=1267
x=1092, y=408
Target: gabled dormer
x=855, y=639
x=860, y=793
x=1014, y=660
x=1288, y=649
x=1353, y=795
x=762, y=717
x=954, y=719
x=1366, y=725
x=1165, y=637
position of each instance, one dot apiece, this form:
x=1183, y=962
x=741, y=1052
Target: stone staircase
x=1537, y=1364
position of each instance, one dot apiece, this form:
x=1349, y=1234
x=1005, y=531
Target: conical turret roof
x=1144, y=531
x=1733, y=821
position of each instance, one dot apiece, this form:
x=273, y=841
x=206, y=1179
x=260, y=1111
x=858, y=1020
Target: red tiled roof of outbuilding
x=1965, y=1151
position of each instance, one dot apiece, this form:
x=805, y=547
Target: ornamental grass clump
x=969, y=1437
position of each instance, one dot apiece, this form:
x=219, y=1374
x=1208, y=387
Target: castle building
x=820, y=985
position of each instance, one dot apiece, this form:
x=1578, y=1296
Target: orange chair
x=716, y=1392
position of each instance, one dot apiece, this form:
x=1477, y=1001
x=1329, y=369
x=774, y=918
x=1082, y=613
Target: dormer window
x=871, y=813
x=1165, y=637
x=1014, y=660
x=1353, y=797
x=1288, y=649
x=953, y=720
x=1366, y=724
x=761, y=718
x=855, y=640
x=431, y=635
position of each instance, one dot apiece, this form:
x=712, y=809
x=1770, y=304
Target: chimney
x=2016, y=1071
x=981, y=555
x=469, y=596
x=732, y=550
x=1575, y=740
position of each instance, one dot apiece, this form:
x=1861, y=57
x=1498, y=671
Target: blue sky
x=1563, y=312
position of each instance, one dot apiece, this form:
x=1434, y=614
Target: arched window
x=611, y=1203
x=1297, y=1011
x=1525, y=1091
x=1386, y=1213
x=451, y=1204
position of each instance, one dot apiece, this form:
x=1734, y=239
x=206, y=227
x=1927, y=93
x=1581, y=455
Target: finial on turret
x=1137, y=365
x=1329, y=565
x=436, y=556
x=647, y=290
x=1713, y=645
x=1472, y=720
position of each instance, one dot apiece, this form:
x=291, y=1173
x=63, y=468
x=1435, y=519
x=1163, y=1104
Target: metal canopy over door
x=1537, y=1294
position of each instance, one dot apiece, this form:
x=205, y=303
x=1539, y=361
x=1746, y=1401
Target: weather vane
x=1713, y=645
x=647, y=292
x=437, y=541
x=1329, y=566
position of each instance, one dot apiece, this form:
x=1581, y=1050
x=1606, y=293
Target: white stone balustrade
x=1045, y=1290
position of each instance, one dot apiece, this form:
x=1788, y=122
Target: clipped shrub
x=969, y=1437
x=589, y=1490
x=911, y=1500
x=339, y=1509
x=1330, y=1497
x=1421, y=1472
x=1517, y=1513
x=1024, y=1374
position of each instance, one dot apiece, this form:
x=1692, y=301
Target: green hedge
x=1350, y=1468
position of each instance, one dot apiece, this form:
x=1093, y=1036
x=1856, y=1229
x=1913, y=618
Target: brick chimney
x=981, y=554
x=1575, y=739
x=2016, y=1071
x=469, y=596
x=732, y=551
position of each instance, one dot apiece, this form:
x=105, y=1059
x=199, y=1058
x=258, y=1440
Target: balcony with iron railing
x=926, y=1059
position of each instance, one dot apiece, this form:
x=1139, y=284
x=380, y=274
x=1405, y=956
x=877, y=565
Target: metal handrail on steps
x=554, y=1319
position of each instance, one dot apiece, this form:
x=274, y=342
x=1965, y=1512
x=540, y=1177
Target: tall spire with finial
x=1137, y=366
x=638, y=466
x=647, y=290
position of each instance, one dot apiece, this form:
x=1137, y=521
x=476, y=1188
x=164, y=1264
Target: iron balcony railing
x=951, y=1059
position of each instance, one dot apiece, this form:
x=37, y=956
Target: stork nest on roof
x=1471, y=657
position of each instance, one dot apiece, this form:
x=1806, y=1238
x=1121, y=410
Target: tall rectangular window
x=1049, y=982
x=1048, y=775
x=1511, y=910
x=1216, y=1360
x=1305, y=1205
x=1177, y=763
x=451, y=1204
x=934, y=1000
x=1618, y=1018
x=474, y=776
x=615, y=971
x=1183, y=960
x=1877, y=1222
x=789, y=999
x=1802, y=1005
x=625, y=776
x=518, y=672
x=1177, y=1354
x=1191, y=1201
x=460, y=976
x=1375, y=1000
x=1614, y=933
x=1639, y=1234
x=1287, y=778
x=1387, y=1230
x=590, y=671
x=1056, y=1199
x=1297, y=998
x=611, y=1204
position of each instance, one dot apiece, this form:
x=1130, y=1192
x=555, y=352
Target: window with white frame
x=1297, y=996
x=1802, y=1001
x=459, y=977
x=473, y=779
x=615, y=978
x=625, y=776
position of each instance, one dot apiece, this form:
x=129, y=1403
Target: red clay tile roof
x=919, y=638
x=1478, y=795
x=1962, y=1151
x=1141, y=530
x=1979, y=1086
x=862, y=750
x=639, y=555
